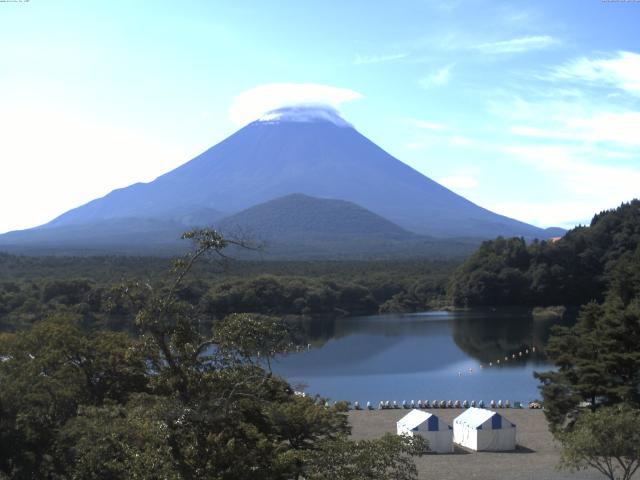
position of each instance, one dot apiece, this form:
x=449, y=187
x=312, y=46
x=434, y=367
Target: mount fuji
x=308, y=150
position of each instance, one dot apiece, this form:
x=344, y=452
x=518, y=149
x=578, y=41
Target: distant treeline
x=574, y=270
x=91, y=288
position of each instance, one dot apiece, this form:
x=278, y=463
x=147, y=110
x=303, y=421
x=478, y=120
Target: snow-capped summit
x=305, y=114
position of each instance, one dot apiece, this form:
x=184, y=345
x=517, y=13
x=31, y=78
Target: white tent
x=480, y=429
x=427, y=425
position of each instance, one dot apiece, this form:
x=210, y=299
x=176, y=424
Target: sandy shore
x=536, y=457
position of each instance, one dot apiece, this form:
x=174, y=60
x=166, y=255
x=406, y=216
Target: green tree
x=253, y=337
x=572, y=271
x=116, y=442
x=598, y=361
x=387, y=457
x=607, y=440
x=46, y=373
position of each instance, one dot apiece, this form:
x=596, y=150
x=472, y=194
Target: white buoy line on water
x=507, y=358
x=426, y=404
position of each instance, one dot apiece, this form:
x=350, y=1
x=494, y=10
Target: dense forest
x=592, y=397
x=571, y=271
x=599, y=356
x=89, y=288
x=175, y=398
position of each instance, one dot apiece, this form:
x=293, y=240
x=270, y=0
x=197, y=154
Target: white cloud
x=252, y=104
x=463, y=178
x=551, y=213
x=414, y=146
x=459, y=182
x=583, y=152
x=437, y=79
x=425, y=125
x=621, y=71
x=573, y=185
x=620, y=128
x=371, y=59
x=430, y=133
x=590, y=120
x=591, y=184
x=517, y=45
x=580, y=144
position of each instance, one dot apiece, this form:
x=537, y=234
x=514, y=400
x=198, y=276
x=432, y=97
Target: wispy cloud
x=414, y=146
x=517, y=45
x=620, y=71
x=437, y=79
x=425, y=125
x=620, y=128
x=578, y=141
x=545, y=213
x=460, y=182
x=428, y=133
x=371, y=59
x=591, y=184
x=255, y=102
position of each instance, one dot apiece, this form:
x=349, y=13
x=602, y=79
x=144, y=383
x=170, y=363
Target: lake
x=431, y=355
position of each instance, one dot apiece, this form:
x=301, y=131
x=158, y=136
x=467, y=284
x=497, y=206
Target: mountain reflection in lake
x=427, y=356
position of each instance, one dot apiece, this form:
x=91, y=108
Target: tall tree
x=607, y=440
x=46, y=374
x=598, y=361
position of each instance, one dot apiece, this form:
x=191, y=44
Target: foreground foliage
x=598, y=359
x=592, y=399
x=389, y=457
x=185, y=398
x=607, y=440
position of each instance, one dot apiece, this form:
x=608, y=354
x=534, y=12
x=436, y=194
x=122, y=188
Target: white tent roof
x=475, y=417
x=414, y=418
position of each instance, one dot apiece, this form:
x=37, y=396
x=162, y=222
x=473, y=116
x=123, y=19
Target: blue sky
x=528, y=108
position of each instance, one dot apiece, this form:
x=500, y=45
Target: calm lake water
x=432, y=355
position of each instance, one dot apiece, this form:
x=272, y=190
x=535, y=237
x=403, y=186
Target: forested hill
x=572, y=271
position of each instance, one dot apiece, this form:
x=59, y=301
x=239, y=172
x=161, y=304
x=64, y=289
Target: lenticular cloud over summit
x=289, y=100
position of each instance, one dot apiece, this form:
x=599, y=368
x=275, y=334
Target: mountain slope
x=119, y=235
x=127, y=235
x=317, y=157
x=304, y=150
